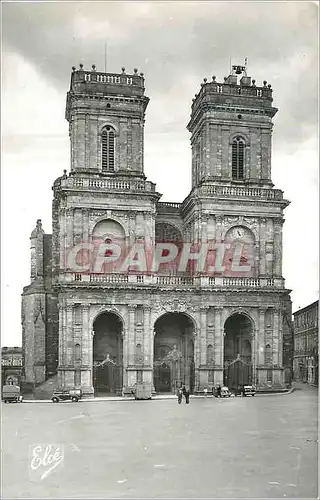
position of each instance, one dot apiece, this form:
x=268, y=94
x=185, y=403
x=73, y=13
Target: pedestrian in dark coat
x=179, y=394
x=187, y=395
x=219, y=391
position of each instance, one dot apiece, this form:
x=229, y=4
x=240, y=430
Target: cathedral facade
x=129, y=289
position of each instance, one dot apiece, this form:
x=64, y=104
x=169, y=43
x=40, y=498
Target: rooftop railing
x=106, y=184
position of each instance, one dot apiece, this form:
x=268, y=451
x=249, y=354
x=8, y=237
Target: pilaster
x=261, y=336
x=262, y=259
x=275, y=338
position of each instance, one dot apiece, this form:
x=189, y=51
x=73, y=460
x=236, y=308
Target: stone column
x=262, y=260
x=265, y=153
x=207, y=150
x=132, y=228
x=226, y=170
x=131, y=371
x=197, y=353
x=218, y=159
x=81, y=143
x=87, y=345
x=204, y=229
x=275, y=338
x=218, y=232
x=125, y=358
x=261, y=336
x=69, y=336
x=203, y=335
x=61, y=351
x=218, y=346
x=277, y=250
x=87, y=353
x=63, y=243
x=147, y=339
x=280, y=342
x=203, y=347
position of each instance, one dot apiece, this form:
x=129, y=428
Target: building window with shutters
x=238, y=146
x=108, y=149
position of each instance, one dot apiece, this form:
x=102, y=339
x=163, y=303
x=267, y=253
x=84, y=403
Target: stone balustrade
x=196, y=281
x=107, y=184
x=238, y=191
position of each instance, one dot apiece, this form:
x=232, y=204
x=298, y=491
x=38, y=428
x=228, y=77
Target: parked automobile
x=249, y=390
x=225, y=393
x=66, y=394
x=11, y=394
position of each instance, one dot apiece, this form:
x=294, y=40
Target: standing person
x=219, y=391
x=205, y=391
x=187, y=395
x=179, y=394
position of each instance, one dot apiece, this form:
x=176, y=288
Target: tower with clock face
x=233, y=201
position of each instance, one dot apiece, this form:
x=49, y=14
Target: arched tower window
x=238, y=158
x=77, y=352
x=108, y=149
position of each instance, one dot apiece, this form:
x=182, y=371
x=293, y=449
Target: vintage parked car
x=249, y=390
x=66, y=394
x=11, y=394
x=225, y=393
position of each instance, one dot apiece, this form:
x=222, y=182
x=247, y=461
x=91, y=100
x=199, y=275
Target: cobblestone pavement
x=261, y=447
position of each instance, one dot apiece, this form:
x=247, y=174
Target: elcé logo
x=44, y=459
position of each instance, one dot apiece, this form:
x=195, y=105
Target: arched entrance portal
x=173, y=353
x=107, y=354
x=237, y=351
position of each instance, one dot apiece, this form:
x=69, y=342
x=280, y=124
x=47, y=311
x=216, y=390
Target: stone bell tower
x=106, y=122
x=104, y=198
x=231, y=127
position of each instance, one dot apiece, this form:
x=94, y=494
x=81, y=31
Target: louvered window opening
x=108, y=146
x=237, y=158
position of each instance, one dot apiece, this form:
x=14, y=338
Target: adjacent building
x=11, y=365
x=306, y=346
x=106, y=326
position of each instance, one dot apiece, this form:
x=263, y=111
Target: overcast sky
x=176, y=45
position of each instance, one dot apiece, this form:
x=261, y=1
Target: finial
x=225, y=78
x=213, y=78
x=269, y=86
x=81, y=66
x=141, y=74
x=65, y=172
x=193, y=100
x=135, y=70
x=253, y=83
x=265, y=83
x=195, y=95
x=73, y=68
x=205, y=80
x=93, y=67
x=39, y=223
x=123, y=69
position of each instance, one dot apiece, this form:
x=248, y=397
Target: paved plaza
x=261, y=447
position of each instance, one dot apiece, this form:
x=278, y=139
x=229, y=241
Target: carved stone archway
x=108, y=353
x=174, y=352
x=239, y=349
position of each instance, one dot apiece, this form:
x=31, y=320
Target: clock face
x=238, y=232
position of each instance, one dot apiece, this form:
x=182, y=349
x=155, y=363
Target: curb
x=154, y=398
